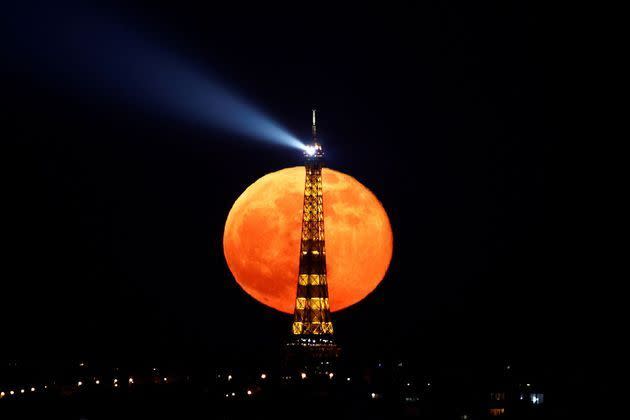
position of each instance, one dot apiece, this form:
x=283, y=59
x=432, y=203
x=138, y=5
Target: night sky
x=115, y=216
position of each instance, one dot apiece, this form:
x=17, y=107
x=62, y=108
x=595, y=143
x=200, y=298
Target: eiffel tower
x=312, y=345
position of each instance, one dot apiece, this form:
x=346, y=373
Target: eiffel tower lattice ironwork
x=312, y=308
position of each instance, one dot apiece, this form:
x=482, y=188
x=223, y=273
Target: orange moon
x=261, y=241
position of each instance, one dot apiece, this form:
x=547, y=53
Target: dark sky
x=115, y=216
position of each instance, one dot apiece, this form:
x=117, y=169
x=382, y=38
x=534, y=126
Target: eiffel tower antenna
x=314, y=126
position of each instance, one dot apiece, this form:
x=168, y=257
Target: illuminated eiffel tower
x=312, y=329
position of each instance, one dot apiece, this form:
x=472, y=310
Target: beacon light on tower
x=310, y=150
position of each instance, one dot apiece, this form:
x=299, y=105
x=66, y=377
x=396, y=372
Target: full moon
x=262, y=234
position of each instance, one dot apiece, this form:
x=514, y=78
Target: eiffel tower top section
x=314, y=151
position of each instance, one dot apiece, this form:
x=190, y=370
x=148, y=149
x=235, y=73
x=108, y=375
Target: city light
x=537, y=399
x=2, y=394
x=32, y=389
x=97, y=382
x=249, y=392
x=263, y=376
x=130, y=380
x=79, y=383
x=303, y=375
x=331, y=375
x=11, y=392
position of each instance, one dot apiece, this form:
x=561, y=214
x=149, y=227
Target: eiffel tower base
x=311, y=355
